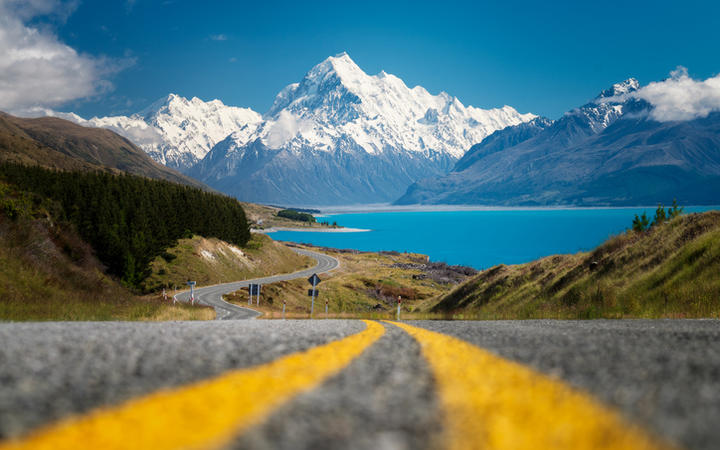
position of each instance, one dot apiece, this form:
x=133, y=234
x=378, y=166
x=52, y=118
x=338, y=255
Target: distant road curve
x=212, y=295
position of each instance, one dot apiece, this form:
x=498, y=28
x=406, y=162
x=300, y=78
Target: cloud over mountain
x=678, y=97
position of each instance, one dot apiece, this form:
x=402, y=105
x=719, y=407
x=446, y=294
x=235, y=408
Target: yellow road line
x=207, y=414
x=492, y=403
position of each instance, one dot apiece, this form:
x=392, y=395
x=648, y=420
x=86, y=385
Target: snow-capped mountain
x=340, y=136
x=179, y=132
x=607, y=152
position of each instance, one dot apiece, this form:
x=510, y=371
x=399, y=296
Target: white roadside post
x=250, y=287
x=283, y=309
x=312, y=302
x=192, y=292
x=258, y=294
x=326, y=308
x=175, y=293
x=399, y=303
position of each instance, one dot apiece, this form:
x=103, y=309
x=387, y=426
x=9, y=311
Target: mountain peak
x=622, y=88
x=341, y=65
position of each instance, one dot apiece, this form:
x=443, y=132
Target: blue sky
x=541, y=57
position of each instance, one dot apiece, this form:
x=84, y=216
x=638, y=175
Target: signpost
x=399, y=303
x=192, y=291
x=314, y=280
x=254, y=289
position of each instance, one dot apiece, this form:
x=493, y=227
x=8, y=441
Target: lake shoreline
x=313, y=230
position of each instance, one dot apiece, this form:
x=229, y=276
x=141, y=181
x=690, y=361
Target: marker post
x=314, y=280
x=192, y=292
x=326, y=308
x=283, y=309
x=399, y=303
x=312, y=301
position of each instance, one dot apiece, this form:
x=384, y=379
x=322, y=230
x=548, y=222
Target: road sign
x=314, y=280
x=254, y=289
x=313, y=292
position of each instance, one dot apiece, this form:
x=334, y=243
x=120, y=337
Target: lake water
x=480, y=239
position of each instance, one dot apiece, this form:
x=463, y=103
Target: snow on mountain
x=608, y=152
x=179, y=132
x=337, y=100
x=340, y=117
x=607, y=107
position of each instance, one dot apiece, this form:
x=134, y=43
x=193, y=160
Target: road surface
x=306, y=384
x=213, y=295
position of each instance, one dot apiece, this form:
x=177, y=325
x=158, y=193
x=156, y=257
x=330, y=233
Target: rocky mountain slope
x=607, y=152
x=340, y=136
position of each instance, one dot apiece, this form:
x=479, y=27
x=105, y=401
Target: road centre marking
x=491, y=403
x=206, y=414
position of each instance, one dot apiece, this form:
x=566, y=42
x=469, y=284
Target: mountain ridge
x=57, y=143
x=608, y=152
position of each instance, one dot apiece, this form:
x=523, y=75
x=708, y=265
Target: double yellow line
x=487, y=402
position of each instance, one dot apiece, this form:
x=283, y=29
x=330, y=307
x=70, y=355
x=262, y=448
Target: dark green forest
x=295, y=215
x=129, y=220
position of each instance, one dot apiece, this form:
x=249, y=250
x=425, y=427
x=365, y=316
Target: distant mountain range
x=607, y=152
x=339, y=136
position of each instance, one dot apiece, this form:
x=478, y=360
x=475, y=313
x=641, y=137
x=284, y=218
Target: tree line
x=130, y=220
x=642, y=223
x=296, y=215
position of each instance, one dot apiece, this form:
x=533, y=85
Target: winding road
x=213, y=295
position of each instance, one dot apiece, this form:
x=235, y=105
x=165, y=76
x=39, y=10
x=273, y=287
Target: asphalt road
x=661, y=377
x=212, y=295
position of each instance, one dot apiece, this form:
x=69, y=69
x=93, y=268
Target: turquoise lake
x=480, y=239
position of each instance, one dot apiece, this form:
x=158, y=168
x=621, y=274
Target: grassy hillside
x=366, y=284
x=672, y=270
x=129, y=220
x=48, y=273
x=212, y=261
x=60, y=144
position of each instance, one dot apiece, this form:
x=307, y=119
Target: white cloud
x=677, y=98
x=218, y=37
x=36, y=69
x=680, y=97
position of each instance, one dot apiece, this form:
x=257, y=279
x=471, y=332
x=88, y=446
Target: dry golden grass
x=670, y=271
x=364, y=286
x=212, y=261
